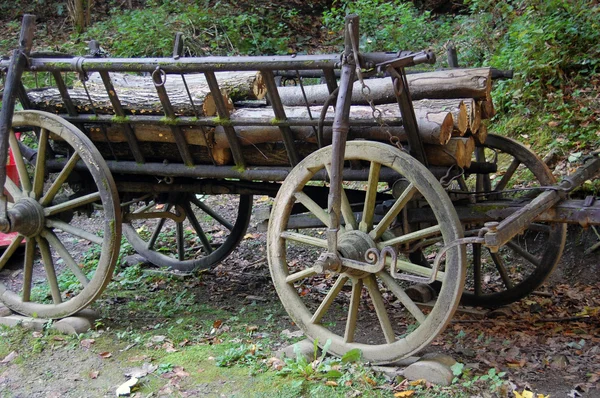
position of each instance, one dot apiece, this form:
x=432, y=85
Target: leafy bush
x=384, y=25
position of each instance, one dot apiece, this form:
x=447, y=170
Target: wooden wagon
x=365, y=208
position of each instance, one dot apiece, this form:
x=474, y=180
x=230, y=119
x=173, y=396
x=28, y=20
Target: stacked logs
x=449, y=107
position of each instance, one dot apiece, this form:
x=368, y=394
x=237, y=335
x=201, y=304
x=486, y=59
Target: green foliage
x=463, y=377
x=384, y=25
x=320, y=367
x=222, y=29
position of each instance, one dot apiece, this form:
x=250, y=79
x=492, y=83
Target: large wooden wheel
x=522, y=265
x=356, y=308
x=184, y=231
x=53, y=278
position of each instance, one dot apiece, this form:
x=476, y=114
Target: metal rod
x=211, y=121
x=129, y=135
x=18, y=63
x=182, y=145
x=234, y=143
x=275, y=101
x=340, y=129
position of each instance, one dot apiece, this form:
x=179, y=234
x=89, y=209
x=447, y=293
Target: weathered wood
x=138, y=94
x=457, y=151
x=480, y=136
x=487, y=108
x=434, y=127
x=474, y=112
x=454, y=83
x=457, y=107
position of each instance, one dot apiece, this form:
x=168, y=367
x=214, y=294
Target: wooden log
x=239, y=85
x=487, y=108
x=456, y=107
x=481, y=135
x=434, y=127
x=474, y=111
x=448, y=84
x=457, y=151
x=138, y=94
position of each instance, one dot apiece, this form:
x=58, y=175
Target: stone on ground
x=432, y=371
x=5, y=311
x=73, y=325
x=36, y=324
x=305, y=348
x=444, y=359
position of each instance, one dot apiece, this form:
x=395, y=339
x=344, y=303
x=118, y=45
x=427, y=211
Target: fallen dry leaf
x=369, y=380
x=37, y=335
x=331, y=383
x=105, y=355
x=87, y=343
x=403, y=394
x=94, y=374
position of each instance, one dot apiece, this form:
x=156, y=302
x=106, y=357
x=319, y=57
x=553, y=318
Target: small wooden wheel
x=60, y=173
x=354, y=308
x=184, y=232
x=522, y=265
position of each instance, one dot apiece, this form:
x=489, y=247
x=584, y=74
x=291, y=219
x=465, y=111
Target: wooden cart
x=360, y=215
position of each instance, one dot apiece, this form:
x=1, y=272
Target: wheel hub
x=27, y=217
x=353, y=245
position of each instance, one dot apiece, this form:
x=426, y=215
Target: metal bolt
x=492, y=226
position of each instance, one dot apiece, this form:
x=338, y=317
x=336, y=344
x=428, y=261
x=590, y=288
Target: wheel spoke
x=10, y=250
x=314, y=208
x=412, y=236
x=180, y=242
x=156, y=232
x=73, y=230
x=507, y=175
x=65, y=255
x=40, y=164
x=28, y=268
x=380, y=309
x=393, y=212
x=49, y=267
x=328, y=300
x=501, y=270
x=366, y=223
x=296, y=276
x=20, y=163
x=477, y=268
x=523, y=253
x=307, y=240
x=72, y=204
x=62, y=177
x=212, y=213
x=12, y=189
x=198, y=228
x=351, y=321
x=401, y=295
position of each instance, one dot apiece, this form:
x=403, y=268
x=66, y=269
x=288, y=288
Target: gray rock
x=444, y=359
x=5, y=311
x=134, y=259
x=305, y=348
x=432, y=371
x=390, y=372
x=73, y=325
x=24, y=321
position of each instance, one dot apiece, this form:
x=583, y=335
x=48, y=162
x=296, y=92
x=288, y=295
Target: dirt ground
x=548, y=342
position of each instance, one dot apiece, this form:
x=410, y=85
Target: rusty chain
x=366, y=92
